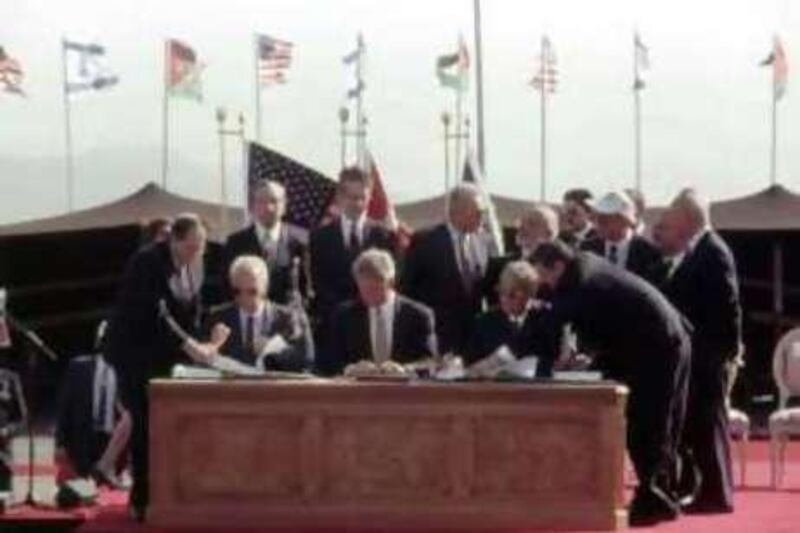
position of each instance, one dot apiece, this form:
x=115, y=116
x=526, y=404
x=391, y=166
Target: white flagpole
x=637, y=119
x=458, y=134
x=165, y=120
x=479, y=85
x=361, y=130
x=773, y=156
x=543, y=124
x=69, y=162
x=257, y=89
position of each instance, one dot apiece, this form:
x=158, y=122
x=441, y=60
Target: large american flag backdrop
x=309, y=194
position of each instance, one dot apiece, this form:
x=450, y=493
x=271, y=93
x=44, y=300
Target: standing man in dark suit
x=515, y=323
x=380, y=324
x=269, y=237
x=334, y=247
x=618, y=241
x=536, y=225
x=445, y=266
x=140, y=345
x=576, y=222
x=638, y=338
x=701, y=282
x=261, y=332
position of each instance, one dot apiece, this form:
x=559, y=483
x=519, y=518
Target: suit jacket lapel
x=364, y=342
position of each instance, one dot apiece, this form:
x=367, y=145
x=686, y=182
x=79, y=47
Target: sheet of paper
x=577, y=375
x=195, y=372
x=273, y=345
x=229, y=365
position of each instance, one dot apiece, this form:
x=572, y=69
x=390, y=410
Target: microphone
x=5, y=335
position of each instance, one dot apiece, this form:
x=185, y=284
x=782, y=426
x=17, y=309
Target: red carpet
x=758, y=508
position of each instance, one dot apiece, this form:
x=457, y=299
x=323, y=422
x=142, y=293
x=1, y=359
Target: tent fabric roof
x=772, y=209
x=151, y=201
x=424, y=213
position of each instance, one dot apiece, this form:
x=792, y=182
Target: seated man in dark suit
x=536, y=225
x=277, y=242
x=516, y=323
x=445, y=267
x=261, y=332
x=577, y=214
x=335, y=246
x=92, y=427
x=618, y=241
x=380, y=325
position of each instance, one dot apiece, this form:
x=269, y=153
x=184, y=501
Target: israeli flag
x=85, y=67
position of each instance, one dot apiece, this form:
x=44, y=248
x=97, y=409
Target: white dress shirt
x=259, y=319
x=269, y=238
x=385, y=314
x=470, y=249
x=347, y=229
x=677, y=260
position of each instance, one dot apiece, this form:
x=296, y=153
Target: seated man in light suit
x=380, y=324
x=262, y=333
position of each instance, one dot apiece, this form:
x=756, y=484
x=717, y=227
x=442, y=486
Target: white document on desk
x=271, y=346
x=228, y=365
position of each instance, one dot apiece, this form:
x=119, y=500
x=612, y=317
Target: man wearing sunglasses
x=262, y=333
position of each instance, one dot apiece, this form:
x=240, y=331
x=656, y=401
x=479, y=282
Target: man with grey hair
x=701, y=282
x=445, y=267
x=536, y=225
x=380, y=325
x=269, y=237
x=262, y=333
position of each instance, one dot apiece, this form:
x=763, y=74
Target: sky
x=706, y=108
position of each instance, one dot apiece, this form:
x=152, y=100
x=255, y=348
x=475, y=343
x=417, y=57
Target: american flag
x=274, y=59
x=309, y=194
x=546, y=77
x=10, y=73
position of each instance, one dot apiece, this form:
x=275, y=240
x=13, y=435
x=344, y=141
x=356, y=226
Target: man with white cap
x=618, y=241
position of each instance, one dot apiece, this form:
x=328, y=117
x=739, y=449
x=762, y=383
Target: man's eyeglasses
x=246, y=292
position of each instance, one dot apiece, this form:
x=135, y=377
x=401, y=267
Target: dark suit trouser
x=133, y=394
x=706, y=437
x=656, y=409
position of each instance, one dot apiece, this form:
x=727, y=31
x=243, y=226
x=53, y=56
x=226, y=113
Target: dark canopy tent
x=763, y=230
x=62, y=272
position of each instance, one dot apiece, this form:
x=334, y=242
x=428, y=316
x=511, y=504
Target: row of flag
x=86, y=67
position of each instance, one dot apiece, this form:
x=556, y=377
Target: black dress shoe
x=138, y=513
x=701, y=507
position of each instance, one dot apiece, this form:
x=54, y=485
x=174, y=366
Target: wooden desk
x=381, y=455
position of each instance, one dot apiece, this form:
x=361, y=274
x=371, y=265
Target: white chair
x=739, y=428
x=738, y=421
x=785, y=422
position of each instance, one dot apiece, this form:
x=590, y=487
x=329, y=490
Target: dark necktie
x=354, y=242
x=249, y=335
x=612, y=253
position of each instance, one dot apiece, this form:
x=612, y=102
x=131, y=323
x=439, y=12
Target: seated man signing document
x=380, y=325
x=514, y=329
x=260, y=332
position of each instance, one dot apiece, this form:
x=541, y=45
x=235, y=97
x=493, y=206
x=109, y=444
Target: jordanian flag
x=453, y=69
x=184, y=71
x=780, y=68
